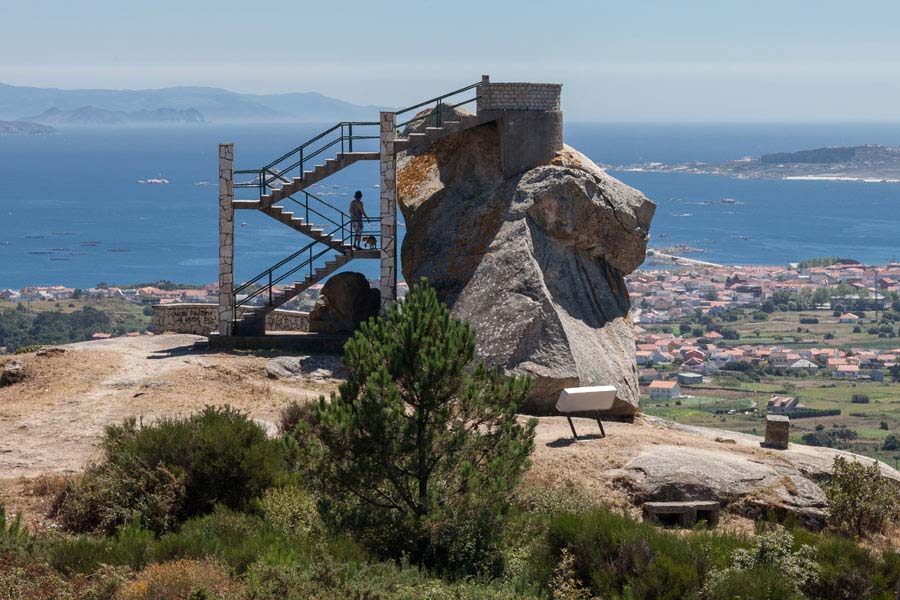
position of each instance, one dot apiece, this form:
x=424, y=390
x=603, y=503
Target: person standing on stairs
x=357, y=214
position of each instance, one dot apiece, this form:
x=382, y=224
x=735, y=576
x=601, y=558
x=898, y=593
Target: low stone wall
x=202, y=319
x=519, y=96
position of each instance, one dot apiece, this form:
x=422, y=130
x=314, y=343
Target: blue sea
x=72, y=212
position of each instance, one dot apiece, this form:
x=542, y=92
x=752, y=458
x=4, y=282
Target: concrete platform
x=310, y=343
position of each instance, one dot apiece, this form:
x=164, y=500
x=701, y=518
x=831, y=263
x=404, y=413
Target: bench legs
x=575, y=434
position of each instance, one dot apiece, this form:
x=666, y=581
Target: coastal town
x=675, y=312
x=845, y=295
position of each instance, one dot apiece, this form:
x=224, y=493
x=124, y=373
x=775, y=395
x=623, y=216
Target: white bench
x=586, y=399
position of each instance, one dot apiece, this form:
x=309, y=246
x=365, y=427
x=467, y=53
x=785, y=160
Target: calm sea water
x=72, y=213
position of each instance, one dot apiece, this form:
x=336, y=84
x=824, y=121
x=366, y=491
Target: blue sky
x=618, y=61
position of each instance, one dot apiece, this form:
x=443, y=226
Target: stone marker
x=685, y=514
x=777, y=429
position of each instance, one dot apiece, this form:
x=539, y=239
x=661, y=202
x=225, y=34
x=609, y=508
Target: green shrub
x=778, y=570
x=290, y=510
x=613, y=553
x=758, y=583
x=13, y=534
x=232, y=538
x=111, y=494
x=172, y=470
x=131, y=546
x=420, y=452
x=327, y=579
x=861, y=501
x=293, y=414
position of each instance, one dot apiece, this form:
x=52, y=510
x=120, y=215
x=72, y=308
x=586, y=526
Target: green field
x=52, y=322
x=708, y=408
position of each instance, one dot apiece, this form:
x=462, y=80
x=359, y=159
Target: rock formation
x=346, y=300
x=534, y=261
x=11, y=372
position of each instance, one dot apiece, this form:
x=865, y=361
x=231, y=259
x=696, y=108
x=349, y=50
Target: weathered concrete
x=388, y=189
x=202, y=319
x=225, y=317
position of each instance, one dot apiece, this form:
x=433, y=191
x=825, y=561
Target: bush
x=859, y=399
x=232, y=538
x=777, y=570
x=187, y=579
x=109, y=495
x=293, y=414
x=172, y=470
x=613, y=553
x=420, y=452
x=861, y=501
x=290, y=510
x=13, y=534
x=891, y=443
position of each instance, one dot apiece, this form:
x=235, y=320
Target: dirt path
x=52, y=421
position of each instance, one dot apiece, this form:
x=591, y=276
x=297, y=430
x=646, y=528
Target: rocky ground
x=50, y=424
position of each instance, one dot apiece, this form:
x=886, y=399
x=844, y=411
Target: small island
x=870, y=163
x=26, y=127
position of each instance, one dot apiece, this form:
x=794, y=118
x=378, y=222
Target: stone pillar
x=226, y=238
x=388, y=281
x=778, y=428
x=483, y=96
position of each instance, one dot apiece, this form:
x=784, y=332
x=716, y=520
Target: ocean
x=72, y=212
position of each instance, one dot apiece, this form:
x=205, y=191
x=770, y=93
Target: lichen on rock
x=535, y=261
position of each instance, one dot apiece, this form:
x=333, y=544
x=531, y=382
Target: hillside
x=24, y=127
x=215, y=104
x=852, y=163
x=91, y=115
x=51, y=422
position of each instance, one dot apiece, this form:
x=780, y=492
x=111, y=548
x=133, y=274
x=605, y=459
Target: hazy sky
x=654, y=60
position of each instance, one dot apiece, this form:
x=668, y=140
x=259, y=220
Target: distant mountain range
x=16, y=127
x=214, y=104
x=91, y=115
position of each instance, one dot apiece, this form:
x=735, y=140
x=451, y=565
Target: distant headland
x=869, y=163
x=24, y=127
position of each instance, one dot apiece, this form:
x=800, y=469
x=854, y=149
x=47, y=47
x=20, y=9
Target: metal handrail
x=268, y=275
x=268, y=174
x=441, y=97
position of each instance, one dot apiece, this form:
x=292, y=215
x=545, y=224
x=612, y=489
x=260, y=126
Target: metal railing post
x=350, y=136
x=270, y=286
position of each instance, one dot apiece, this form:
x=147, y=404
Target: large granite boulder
x=535, y=262
x=346, y=300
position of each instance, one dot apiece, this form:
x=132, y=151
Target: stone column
x=388, y=162
x=482, y=99
x=226, y=238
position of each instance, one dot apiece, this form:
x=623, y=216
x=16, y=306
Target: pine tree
x=421, y=449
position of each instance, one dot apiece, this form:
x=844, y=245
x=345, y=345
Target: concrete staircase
x=296, y=223
x=319, y=172
x=415, y=140
x=253, y=319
